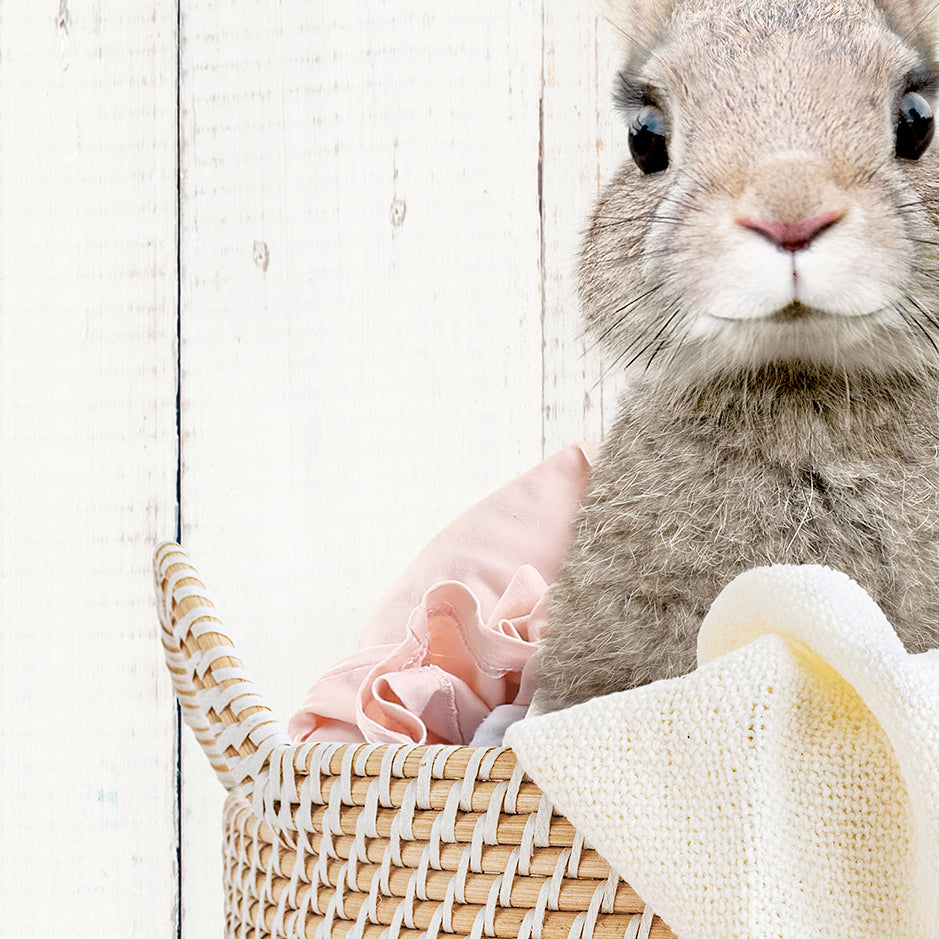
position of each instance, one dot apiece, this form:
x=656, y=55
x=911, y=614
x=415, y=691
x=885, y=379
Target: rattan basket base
x=374, y=887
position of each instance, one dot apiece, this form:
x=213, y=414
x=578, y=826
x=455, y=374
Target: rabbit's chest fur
x=687, y=495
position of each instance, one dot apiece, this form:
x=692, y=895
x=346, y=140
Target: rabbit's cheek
x=741, y=280
x=839, y=279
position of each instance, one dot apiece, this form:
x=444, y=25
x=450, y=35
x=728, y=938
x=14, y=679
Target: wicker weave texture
x=336, y=840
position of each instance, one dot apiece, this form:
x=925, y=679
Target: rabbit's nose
x=792, y=236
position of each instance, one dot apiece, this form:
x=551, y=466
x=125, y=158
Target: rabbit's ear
x=916, y=21
x=638, y=24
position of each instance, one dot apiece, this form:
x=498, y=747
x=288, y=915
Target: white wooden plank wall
x=87, y=466
x=378, y=326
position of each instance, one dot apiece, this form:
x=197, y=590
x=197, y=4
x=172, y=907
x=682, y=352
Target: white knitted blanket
x=787, y=788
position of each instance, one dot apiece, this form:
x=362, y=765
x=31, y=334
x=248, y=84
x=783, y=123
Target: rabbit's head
x=781, y=207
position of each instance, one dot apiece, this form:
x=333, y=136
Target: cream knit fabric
x=787, y=788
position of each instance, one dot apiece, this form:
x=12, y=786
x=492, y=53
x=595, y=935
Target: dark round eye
x=914, y=126
x=647, y=140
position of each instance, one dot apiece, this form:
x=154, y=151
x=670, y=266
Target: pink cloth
x=455, y=636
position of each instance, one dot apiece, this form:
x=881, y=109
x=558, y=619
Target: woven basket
x=335, y=840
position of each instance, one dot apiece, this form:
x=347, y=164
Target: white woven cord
x=538, y=912
x=555, y=883
x=602, y=899
x=508, y=879
x=573, y=867
x=443, y=828
x=436, y=921
x=492, y=904
x=385, y=774
x=459, y=878
x=468, y=785
x=456, y=893
x=407, y=904
x=515, y=783
x=640, y=925
x=362, y=756
x=261, y=728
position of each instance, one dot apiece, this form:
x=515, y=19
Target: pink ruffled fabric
x=454, y=638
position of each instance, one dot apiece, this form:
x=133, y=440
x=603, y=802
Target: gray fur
x=807, y=434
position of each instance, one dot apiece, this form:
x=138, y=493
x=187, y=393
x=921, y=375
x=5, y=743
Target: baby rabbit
x=767, y=267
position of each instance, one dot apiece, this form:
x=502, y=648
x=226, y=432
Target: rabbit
x=765, y=267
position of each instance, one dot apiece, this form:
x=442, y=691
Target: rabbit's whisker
x=909, y=317
x=622, y=312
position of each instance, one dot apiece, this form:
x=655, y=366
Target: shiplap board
x=87, y=466
x=381, y=372
x=583, y=142
x=378, y=318
x=380, y=368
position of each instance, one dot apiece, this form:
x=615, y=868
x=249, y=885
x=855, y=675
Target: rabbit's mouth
x=795, y=311
x=801, y=332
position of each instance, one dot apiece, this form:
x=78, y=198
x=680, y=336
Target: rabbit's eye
x=647, y=141
x=914, y=126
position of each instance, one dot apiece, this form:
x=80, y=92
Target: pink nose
x=792, y=236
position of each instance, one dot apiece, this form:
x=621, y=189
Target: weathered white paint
x=87, y=466
x=378, y=326
x=582, y=143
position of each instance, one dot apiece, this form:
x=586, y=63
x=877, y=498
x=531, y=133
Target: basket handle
x=226, y=710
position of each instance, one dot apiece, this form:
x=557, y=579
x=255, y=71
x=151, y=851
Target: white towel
x=787, y=788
